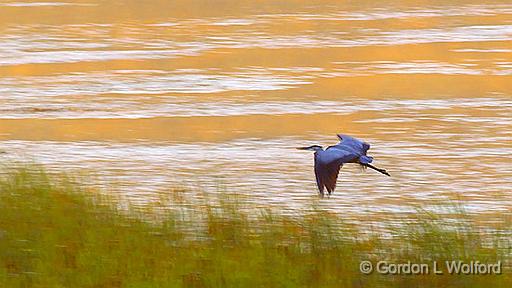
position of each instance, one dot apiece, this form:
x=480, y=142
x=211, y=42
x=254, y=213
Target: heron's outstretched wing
x=349, y=142
x=326, y=176
x=327, y=167
x=319, y=178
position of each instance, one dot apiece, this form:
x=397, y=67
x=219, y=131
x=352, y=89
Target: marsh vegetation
x=57, y=232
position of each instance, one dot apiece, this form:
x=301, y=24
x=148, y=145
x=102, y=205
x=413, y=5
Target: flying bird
x=329, y=161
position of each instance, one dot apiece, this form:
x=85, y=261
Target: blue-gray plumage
x=329, y=161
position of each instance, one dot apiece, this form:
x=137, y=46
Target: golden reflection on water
x=222, y=93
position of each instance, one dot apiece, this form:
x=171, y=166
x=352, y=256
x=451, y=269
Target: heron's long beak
x=303, y=148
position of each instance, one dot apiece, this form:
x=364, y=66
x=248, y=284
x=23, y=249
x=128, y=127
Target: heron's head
x=312, y=148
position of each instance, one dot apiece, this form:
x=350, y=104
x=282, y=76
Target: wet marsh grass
x=57, y=232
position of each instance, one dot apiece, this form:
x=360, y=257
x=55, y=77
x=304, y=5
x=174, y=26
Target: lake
x=215, y=96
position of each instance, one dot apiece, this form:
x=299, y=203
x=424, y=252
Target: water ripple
x=57, y=44
x=418, y=176
x=43, y=4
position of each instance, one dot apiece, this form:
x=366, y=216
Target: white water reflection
x=72, y=43
x=385, y=13
x=43, y=4
x=141, y=107
x=273, y=172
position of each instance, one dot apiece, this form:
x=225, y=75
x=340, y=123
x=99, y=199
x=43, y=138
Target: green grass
x=56, y=232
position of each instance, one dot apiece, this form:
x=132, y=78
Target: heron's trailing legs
x=383, y=171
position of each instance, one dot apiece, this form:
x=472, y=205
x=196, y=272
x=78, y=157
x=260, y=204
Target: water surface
x=149, y=95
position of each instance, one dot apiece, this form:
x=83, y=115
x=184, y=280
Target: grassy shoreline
x=57, y=232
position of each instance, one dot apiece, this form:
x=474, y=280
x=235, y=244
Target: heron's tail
x=365, y=159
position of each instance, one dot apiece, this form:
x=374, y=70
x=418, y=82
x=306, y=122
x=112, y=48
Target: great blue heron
x=329, y=161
